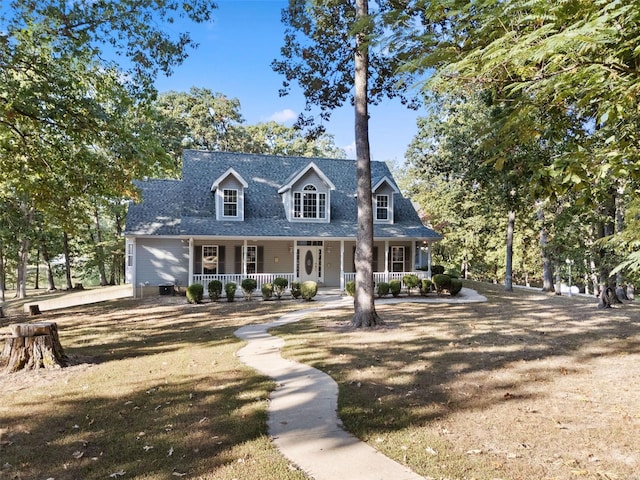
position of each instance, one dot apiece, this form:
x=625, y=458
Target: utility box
x=166, y=289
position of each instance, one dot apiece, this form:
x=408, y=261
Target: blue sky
x=234, y=58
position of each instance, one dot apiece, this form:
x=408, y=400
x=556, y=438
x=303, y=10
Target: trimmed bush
x=410, y=281
x=437, y=269
x=195, y=292
x=308, y=290
x=350, y=288
x=383, y=289
x=295, y=290
x=248, y=285
x=230, y=291
x=456, y=286
x=426, y=286
x=267, y=291
x=279, y=286
x=395, y=287
x=215, y=290
x=442, y=282
x=453, y=273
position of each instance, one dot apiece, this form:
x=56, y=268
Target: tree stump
x=33, y=346
x=34, y=310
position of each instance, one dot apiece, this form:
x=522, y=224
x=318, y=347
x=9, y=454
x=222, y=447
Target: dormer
x=382, y=193
x=307, y=195
x=229, y=189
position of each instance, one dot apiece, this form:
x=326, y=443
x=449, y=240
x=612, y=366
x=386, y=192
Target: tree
x=330, y=50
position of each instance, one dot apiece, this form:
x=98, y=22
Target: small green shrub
x=383, y=289
x=295, y=289
x=230, y=291
x=453, y=273
x=437, y=269
x=410, y=281
x=308, y=290
x=426, y=286
x=442, y=282
x=395, y=287
x=350, y=287
x=215, y=289
x=279, y=286
x=195, y=292
x=248, y=285
x=456, y=286
x=267, y=291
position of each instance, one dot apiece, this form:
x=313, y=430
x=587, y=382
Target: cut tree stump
x=33, y=346
x=34, y=310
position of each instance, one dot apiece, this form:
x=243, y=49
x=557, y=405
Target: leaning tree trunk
x=33, y=346
x=364, y=308
x=67, y=260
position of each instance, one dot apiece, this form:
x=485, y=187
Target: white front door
x=310, y=263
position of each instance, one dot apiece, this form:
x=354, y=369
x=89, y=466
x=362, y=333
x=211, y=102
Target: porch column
x=244, y=258
x=191, y=259
x=386, y=260
x=429, y=259
x=413, y=256
x=133, y=268
x=420, y=244
x=342, y=265
x=295, y=260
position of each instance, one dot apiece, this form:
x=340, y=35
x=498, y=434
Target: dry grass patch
x=525, y=386
x=154, y=392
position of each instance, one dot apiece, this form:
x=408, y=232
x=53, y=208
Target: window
x=252, y=259
x=382, y=207
x=129, y=254
x=209, y=259
x=397, y=259
x=230, y=203
x=309, y=203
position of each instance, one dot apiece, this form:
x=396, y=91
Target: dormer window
x=309, y=203
x=383, y=191
x=382, y=207
x=230, y=203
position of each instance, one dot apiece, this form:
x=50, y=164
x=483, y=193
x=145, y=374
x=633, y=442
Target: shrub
x=453, y=273
x=295, y=289
x=350, y=287
x=437, y=269
x=426, y=286
x=410, y=281
x=215, y=289
x=195, y=293
x=395, y=286
x=279, y=286
x=230, y=291
x=267, y=291
x=456, y=286
x=308, y=290
x=442, y=282
x=383, y=289
x=248, y=287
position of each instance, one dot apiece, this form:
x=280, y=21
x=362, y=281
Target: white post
x=244, y=258
x=295, y=260
x=191, y=259
x=413, y=256
x=429, y=259
x=386, y=260
x=342, y=265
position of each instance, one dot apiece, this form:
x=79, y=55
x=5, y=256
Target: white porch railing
x=260, y=278
x=387, y=276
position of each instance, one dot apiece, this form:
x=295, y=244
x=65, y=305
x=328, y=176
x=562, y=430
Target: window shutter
x=260, y=259
x=197, y=267
x=221, y=259
x=238, y=259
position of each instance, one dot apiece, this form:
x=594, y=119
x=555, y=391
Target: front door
x=309, y=263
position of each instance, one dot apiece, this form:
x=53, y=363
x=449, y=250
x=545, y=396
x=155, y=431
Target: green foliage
x=456, y=286
x=267, y=291
x=437, y=269
x=383, y=289
x=395, y=287
x=426, y=286
x=280, y=284
x=410, y=281
x=248, y=287
x=308, y=290
x=350, y=288
x=453, y=273
x=215, y=289
x=295, y=290
x=195, y=292
x=442, y=282
x=230, y=291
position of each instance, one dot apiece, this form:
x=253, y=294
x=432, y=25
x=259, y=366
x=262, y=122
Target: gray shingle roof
x=187, y=207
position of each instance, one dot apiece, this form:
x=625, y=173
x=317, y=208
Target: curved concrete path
x=303, y=420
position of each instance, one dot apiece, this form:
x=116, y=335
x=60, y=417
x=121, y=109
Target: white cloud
x=283, y=116
x=350, y=149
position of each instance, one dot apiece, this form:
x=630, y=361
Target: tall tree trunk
x=99, y=248
x=547, y=269
x=3, y=277
x=47, y=261
x=36, y=283
x=508, y=279
x=67, y=260
x=23, y=265
x=364, y=308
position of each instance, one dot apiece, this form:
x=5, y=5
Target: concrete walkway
x=303, y=420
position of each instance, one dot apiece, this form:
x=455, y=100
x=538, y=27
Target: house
x=234, y=215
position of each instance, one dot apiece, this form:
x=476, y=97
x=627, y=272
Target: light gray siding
x=160, y=261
